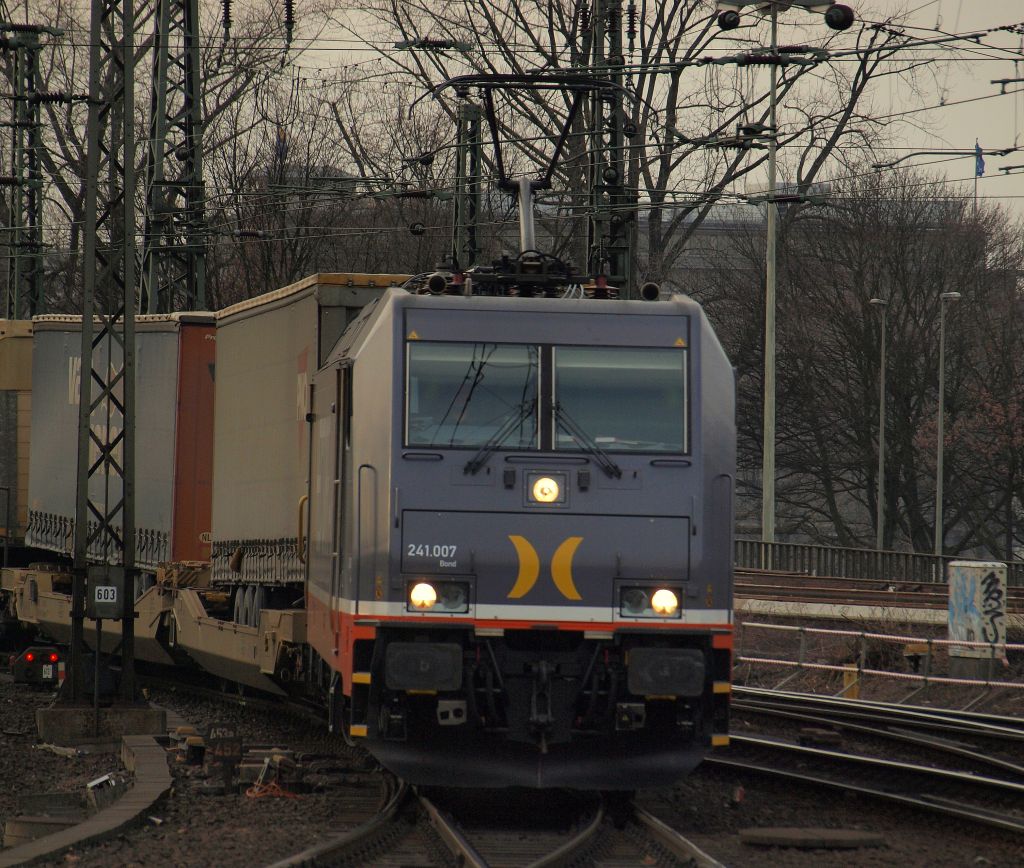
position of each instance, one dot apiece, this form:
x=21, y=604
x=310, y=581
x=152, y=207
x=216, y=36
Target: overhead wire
x=902, y=113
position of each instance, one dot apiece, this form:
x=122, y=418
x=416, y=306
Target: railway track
x=412, y=829
x=781, y=586
x=984, y=744
x=991, y=801
x=984, y=728
x=403, y=827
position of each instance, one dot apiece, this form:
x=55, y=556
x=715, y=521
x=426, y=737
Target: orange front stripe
x=335, y=643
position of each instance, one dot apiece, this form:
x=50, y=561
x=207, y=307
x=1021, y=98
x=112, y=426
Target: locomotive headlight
x=634, y=601
x=453, y=596
x=665, y=602
x=545, y=490
x=638, y=601
x=422, y=596
x=437, y=597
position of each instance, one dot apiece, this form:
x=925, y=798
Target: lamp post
x=882, y=305
x=946, y=296
x=768, y=447
x=837, y=16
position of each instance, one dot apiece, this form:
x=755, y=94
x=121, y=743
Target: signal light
x=54, y=657
x=30, y=657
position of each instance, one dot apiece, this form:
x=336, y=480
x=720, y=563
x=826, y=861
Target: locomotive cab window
x=471, y=394
x=623, y=399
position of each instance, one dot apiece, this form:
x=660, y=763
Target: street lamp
x=946, y=296
x=882, y=305
x=838, y=17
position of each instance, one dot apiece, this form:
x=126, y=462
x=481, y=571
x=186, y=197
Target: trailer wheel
x=246, y=607
x=259, y=598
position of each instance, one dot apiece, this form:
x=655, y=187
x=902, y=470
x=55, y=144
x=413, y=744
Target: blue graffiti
x=963, y=612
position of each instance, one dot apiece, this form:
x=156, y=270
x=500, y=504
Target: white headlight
x=545, y=490
x=664, y=602
x=422, y=596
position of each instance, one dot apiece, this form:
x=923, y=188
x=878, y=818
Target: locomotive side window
x=468, y=394
x=624, y=399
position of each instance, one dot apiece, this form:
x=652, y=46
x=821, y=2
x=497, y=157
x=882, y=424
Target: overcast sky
x=957, y=102
x=995, y=121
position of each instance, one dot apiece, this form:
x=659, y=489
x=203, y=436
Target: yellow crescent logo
x=529, y=567
x=561, y=568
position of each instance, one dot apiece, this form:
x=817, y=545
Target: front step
x=360, y=701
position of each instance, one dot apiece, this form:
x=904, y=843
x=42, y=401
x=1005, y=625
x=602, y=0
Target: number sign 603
x=106, y=594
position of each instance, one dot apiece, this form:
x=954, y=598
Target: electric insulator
x=631, y=19
x=584, y=18
x=289, y=21
x=729, y=20
x=226, y=23
x=49, y=98
x=840, y=17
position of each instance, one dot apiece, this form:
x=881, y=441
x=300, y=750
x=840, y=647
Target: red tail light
x=30, y=657
x=54, y=658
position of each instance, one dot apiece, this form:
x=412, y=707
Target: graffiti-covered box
x=977, y=609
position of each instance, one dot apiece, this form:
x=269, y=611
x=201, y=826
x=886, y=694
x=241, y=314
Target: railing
x=933, y=656
x=848, y=563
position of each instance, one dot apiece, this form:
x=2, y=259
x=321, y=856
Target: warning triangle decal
x=413, y=336
x=680, y=342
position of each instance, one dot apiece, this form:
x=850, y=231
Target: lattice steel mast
x=105, y=513
x=466, y=245
x=24, y=297
x=174, y=238
x=613, y=207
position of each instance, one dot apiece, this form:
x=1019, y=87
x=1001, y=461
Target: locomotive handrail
x=359, y=521
x=300, y=541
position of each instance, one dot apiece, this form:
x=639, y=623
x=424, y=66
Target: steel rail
x=946, y=775
x=991, y=724
x=933, y=803
x=930, y=742
x=575, y=847
x=948, y=720
x=680, y=847
x=464, y=852
x=337, y=848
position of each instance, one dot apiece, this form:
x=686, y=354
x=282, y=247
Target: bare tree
x=906, y=239
x=230, y=73
x=685, y=103
x=296, y=199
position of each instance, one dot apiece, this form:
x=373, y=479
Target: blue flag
x=979, y=160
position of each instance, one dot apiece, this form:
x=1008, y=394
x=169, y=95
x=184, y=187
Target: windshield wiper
x=583, y=439
x=522, y=413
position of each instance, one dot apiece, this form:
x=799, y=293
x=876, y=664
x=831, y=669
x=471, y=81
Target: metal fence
x=816, y=560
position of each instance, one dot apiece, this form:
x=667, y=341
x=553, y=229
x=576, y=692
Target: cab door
x=325, y=485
